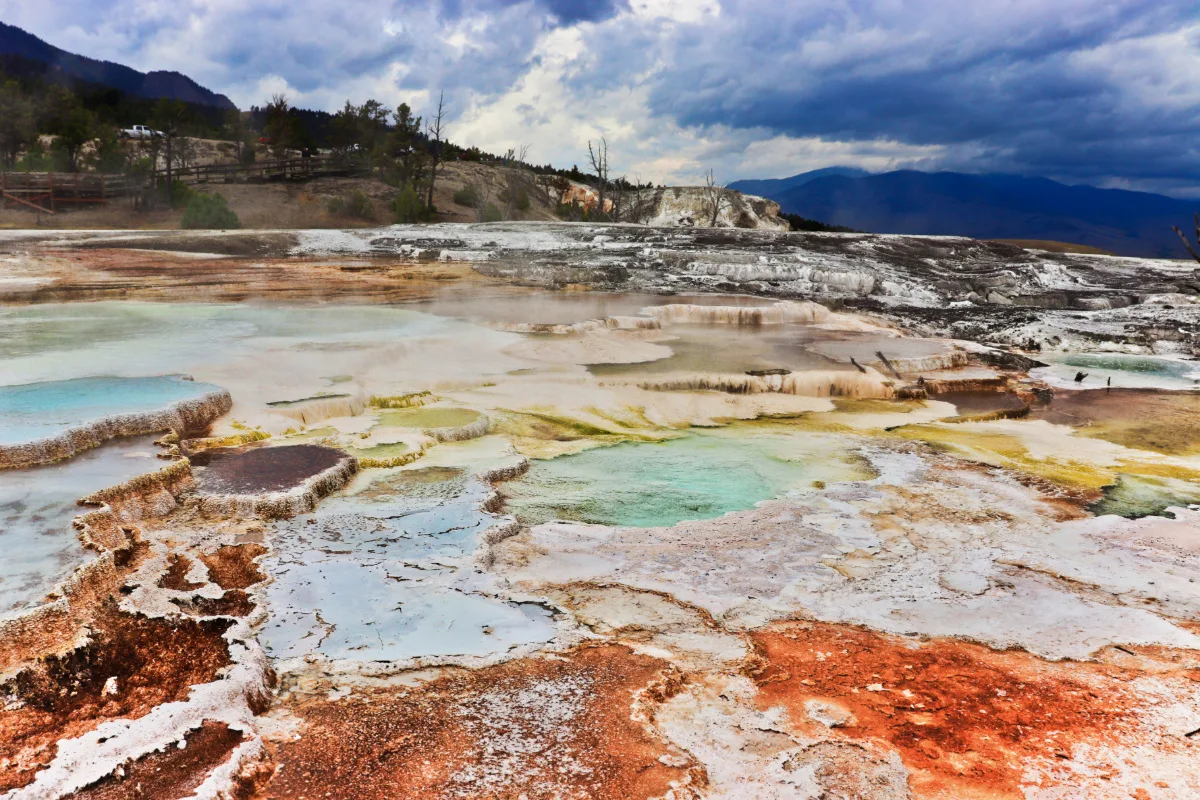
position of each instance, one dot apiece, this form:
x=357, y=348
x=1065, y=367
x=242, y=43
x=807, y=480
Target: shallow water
x=1135, y=496
x=1126, y=371
x=425, y=417
x=700, y=476
x=36, y=410
x=863, y=347
x=730, y=349
x=57, y=341
x=37, y=505
x=383, y=575
x=967, y=403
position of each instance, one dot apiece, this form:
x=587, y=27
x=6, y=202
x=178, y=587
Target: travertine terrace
x=568, y=511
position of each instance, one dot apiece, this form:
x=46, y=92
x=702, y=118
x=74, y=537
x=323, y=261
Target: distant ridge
x=153, y=85
x=990, y=207
x=769, y=186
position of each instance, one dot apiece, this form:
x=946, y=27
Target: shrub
x=356, y=204
x=491, y=213
x=38, y=159
x=209, y=211
x=409, y=207
x=522, y=201
x=467, y=196
x=181, y=194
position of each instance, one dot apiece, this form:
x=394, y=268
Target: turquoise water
x=695, y=477
x=38, y=545
x=37, y=410
x=1126, y=371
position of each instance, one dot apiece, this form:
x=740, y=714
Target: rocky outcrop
x=684, y=207
x=691, y=207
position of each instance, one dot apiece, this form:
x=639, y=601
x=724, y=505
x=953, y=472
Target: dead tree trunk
x=716, y=197
x=599, y=161
x=1188, y=244
x=435, y=132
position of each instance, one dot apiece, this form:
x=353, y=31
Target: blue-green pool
x=36, y=410
x=699, y=476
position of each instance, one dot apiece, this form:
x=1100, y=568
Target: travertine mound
x=111, y=531
x=775, y=314
x=460, y=434
x=816, y=383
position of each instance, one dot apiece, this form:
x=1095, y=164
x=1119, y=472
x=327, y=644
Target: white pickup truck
x=140, y=132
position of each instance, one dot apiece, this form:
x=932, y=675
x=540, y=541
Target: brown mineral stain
x=964, y=718
x=234, y=603
x=170, y=774
x=232, y=566
x=154, y=661
x=175, y=578
x=536, y=728
x=255, y=470
x=96, y=273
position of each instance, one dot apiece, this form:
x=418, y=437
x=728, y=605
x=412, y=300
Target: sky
x=1104, y=92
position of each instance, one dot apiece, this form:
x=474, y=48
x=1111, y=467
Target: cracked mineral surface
x=576, y=511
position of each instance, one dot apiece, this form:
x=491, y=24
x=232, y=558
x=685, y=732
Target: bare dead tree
x=716, y=197
x=618, y=195
x=641, y=203
x=187, y=152
x=550, y=189
x=435, y=131
x=599, y=162
x=1186, y=243
x=518, y=178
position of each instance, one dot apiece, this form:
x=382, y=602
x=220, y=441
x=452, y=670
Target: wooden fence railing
x=44, y=191
x=280, y=169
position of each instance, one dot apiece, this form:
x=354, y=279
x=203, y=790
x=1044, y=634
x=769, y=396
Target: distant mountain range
x=983, y=207
x=61, y=64
x=773, y=186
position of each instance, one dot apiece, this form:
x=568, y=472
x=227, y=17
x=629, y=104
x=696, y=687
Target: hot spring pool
x=33, y=411
x=699, y=476
x=1126, y=371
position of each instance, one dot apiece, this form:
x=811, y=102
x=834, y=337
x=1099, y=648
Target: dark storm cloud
x=1067, y=87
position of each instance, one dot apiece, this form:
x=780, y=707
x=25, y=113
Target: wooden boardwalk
x=46, y=191
x=292, y=169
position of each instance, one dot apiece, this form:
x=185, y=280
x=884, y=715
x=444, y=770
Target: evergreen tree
x=17, y=129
